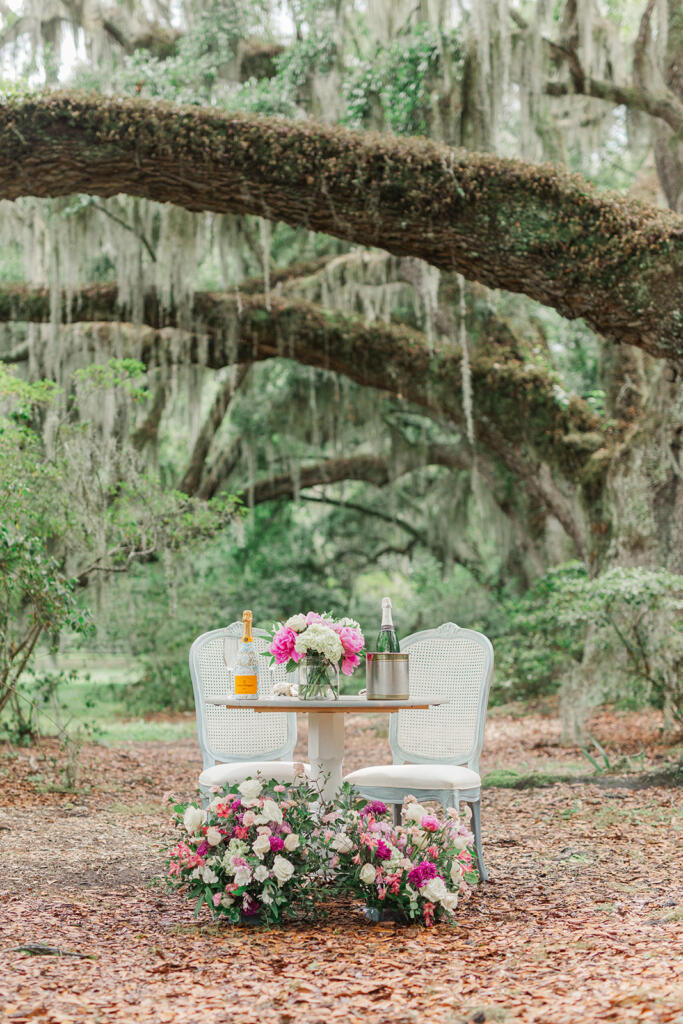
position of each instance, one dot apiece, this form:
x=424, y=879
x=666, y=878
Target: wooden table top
x=344, y=705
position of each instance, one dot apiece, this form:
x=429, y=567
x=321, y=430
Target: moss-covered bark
x=524, y=228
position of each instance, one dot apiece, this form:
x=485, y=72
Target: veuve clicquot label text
x=246, y=674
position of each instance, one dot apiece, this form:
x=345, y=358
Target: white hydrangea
x=351, y=623
x=237, y=848
x=320, y=639
x=297, y=623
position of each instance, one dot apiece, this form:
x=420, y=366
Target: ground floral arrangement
x=266, y=851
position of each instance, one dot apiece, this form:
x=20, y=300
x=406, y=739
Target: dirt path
x=582, y=921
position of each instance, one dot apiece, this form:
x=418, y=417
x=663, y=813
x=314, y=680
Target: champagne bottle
x=387, y=641
x=246, y=673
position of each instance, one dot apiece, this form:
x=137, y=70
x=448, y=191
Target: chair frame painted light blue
x=449, y=631
x=223, y=754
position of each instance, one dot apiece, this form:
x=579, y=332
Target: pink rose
x=352, y=640
x=282, y=646
x=350, y=662
x=430, y=823
x=248, y=819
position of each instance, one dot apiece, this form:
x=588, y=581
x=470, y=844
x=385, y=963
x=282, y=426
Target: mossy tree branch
x=524, y=228
x=515, y=405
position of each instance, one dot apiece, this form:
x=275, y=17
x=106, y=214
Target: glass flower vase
x=318, y=679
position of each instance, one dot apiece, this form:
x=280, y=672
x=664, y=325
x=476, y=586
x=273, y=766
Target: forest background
x=306, y=394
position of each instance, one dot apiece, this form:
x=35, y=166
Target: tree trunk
x=524, y=228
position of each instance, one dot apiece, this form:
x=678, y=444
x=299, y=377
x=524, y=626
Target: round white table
x=326, y=725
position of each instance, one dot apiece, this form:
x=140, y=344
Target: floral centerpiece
x=247, y=855
x=323, y=644
x=414, y=872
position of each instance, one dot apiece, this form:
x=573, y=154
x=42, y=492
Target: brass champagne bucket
x=386, y=676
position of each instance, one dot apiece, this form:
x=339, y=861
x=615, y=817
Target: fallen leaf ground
x=582, y=920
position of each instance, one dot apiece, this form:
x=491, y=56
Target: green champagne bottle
x=387, y=641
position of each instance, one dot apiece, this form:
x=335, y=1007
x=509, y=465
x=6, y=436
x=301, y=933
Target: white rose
x=213, y=836
x=414, y=812
x=291, y=842
x=250, y=788
x=282, y=869
x=456, y=872
x=261, y=873
x=209, y=876
x=266, y=898
x=237, y=848
x=270, y=812
x=460, y=842
x=341, y=843
x=243, y=875
x=367, y=874
x=434, y=890
x=193, y=819
x=297, y=623
x=450, y=901
x=261, y=846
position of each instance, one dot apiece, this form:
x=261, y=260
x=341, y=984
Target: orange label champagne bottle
x=246, y=672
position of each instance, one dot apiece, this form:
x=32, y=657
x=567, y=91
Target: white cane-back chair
x=436, y=752
x=237, y=743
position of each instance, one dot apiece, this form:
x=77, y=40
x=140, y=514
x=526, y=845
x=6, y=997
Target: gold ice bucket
x=386, y=676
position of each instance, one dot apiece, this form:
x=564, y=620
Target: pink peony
x=430, y=823
x=282, y=646
x=216, y=899
x=350, y=662
x=352, y=640
x=313, y=617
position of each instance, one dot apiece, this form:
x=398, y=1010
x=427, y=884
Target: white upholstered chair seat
x=419, y=776
x=237, y=771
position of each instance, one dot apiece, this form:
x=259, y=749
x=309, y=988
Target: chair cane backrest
x=446, y=662
x=227, y=734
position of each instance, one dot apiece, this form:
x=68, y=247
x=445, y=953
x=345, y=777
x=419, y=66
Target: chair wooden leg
x=396, y=809
x=476, y=828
